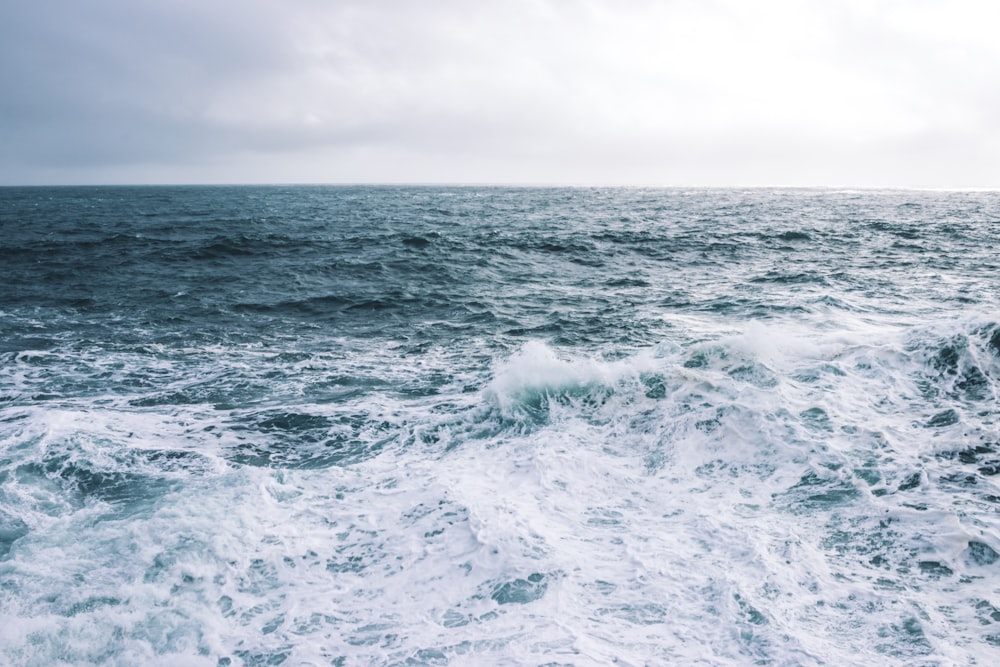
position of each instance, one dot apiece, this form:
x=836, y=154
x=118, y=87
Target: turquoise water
x=407, y=426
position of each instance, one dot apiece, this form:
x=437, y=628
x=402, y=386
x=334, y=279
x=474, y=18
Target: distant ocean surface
x=498, y=426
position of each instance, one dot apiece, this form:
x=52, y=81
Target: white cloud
x=712, y=92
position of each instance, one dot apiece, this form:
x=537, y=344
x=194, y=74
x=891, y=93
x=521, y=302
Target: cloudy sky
x=643, y=92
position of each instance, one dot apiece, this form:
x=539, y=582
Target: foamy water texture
x=428, y=426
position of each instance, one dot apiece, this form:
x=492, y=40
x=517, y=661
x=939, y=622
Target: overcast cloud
x=679, y=92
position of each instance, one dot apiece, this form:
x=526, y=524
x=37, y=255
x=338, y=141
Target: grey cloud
x=595, y=91
x=101, y=81
x=117, y=82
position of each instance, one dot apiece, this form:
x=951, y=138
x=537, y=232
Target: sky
x=841, y=93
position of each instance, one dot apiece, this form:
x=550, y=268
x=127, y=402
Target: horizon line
x=512, y=185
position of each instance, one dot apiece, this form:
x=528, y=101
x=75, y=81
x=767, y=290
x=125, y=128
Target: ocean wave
x=453, y=426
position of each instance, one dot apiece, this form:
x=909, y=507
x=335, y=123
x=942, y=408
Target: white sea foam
x=705, y=516
x=744, y=453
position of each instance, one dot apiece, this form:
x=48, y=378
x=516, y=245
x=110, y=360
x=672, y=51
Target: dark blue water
x=387, y=425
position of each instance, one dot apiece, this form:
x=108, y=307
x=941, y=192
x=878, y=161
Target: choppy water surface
x=466, y=426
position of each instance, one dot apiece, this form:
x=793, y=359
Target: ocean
x=499, y=426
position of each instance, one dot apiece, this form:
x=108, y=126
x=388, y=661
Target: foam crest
x=536, y=371
x=777, y=345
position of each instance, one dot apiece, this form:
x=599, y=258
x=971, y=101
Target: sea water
x=496, y=426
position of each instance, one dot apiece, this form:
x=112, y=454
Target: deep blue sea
x=499, y=426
